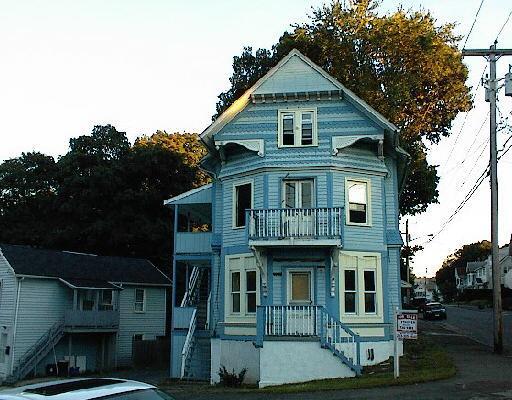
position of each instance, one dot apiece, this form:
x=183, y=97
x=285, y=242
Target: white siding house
x=80, y=308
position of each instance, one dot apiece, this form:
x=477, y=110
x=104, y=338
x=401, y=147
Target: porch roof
x=89, y=284
x=200, y=195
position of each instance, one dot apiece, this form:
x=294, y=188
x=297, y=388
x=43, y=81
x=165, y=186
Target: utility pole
x=492, y=55
x=408, y=251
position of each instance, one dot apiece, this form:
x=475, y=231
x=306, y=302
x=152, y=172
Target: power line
x=473, y=24
x=503, y=26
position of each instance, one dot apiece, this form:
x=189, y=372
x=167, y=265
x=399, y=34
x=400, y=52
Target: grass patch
x=423, y=362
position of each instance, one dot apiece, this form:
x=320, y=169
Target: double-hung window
x=139, y=305
x=370, y=292
x=242, y=201
x=358, y=199
x=107, y=300
x=350, y=291
x=361, y=285
x=242, y=288
x=297, y=128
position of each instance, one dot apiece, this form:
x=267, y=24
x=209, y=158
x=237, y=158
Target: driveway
x=481, y=375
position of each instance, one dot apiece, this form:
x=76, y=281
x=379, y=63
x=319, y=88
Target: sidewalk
x=480, y=375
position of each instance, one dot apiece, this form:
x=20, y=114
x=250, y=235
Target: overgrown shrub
x=231, y=379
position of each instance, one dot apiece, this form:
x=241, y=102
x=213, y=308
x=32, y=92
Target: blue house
x=291, y=255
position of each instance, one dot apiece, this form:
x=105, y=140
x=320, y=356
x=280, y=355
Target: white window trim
x=361, y=316
x=298, y=180
x=289, y=272
x=233, y=202
x=297, y=129
x=241, y=316
x=368, y=183
x=143, y=301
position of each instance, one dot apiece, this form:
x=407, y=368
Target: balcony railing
x=193, y=242
x=91, y=319
x=300, y=223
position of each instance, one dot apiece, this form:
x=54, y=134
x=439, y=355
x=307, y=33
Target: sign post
x=405, y=327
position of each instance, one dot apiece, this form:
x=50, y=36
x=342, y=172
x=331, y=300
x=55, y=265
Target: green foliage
x=103, y=196
x=402, y=64
x=445, y=277
x=231, y=379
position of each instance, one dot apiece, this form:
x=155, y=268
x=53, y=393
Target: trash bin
x=63, y=367
x=74, y=371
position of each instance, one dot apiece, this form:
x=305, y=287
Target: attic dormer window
x=297, y=128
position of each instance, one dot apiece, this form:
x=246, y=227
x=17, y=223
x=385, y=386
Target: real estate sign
x=406, y=325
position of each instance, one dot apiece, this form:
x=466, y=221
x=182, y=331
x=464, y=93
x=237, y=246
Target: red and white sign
x=407, y=325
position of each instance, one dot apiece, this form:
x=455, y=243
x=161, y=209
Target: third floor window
x=297, y=128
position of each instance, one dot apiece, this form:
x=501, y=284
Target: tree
x=445, y=277
x=27, y=192
x=402, y=64
x=103, y=196
x=186, y=144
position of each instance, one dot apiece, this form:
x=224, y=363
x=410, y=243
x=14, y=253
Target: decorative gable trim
x=256, y=145
x=340, y=142
x=322, y=95
x=244, y=100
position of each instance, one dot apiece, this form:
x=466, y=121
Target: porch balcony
x=296, y=226
x=309, y=322
x=86, y=320
x=193, y=242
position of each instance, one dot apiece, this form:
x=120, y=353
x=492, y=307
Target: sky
x=66, y=66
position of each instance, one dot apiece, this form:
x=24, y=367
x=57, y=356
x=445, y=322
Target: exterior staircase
x=312, y=322
x=196, y=352
x=36, y=353
x=197, y=365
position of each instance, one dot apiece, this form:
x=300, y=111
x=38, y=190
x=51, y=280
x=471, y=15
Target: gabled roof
x=229, y=114
x=472, y=266
x=84, y=270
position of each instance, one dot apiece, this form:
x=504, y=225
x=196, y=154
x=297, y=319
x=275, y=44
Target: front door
x=301, y=315
x=298, y=201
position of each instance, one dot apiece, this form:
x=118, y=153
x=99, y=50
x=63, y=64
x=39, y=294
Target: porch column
x=75, y=300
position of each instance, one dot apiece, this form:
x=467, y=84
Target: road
x=478, y=324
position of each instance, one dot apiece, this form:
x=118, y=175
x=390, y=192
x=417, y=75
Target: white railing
x=309, y=320
x=187, y=346
x=207, y=324
x=339, y=337
x=295, y=223
x=292, y=320
x=192, y=282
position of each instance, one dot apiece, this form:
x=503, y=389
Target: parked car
x=434, y=311
x=418, y=303
x=85, y=389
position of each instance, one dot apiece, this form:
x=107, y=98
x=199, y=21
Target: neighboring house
x=478, y=274
x=299, y=275
x=425, y=287
x=57, y=305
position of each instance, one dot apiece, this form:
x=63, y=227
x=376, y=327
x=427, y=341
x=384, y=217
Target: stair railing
x=26, y=361
x=187, y=346
x=192, y=283
x=341, y=340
